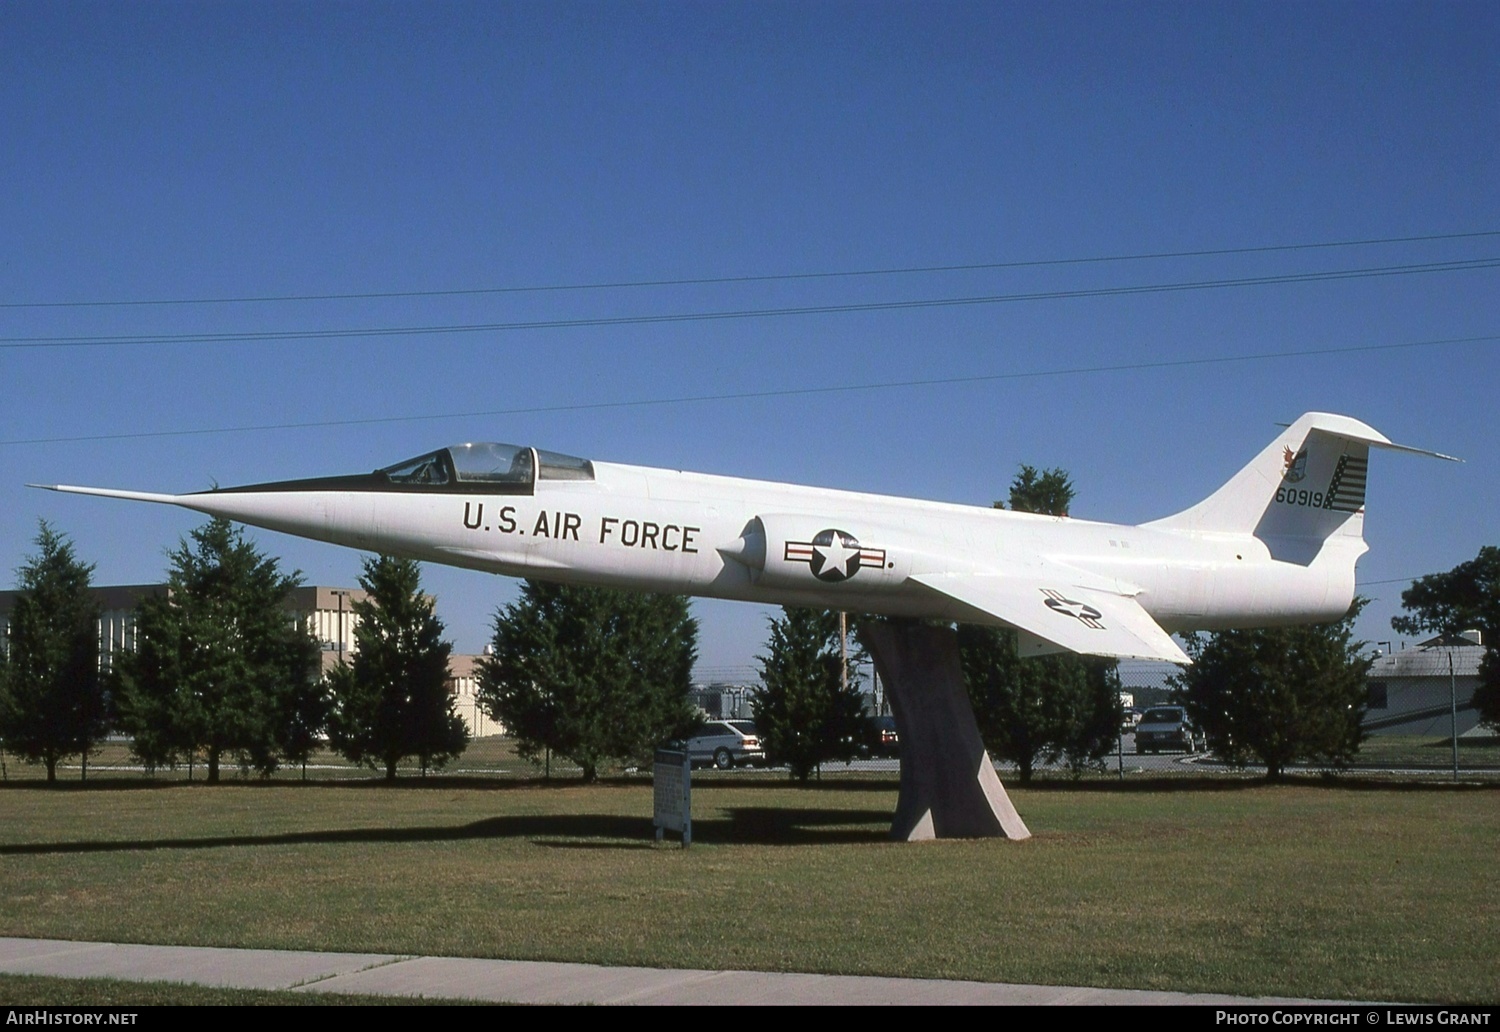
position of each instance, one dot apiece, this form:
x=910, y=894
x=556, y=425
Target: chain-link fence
x=1407, y=745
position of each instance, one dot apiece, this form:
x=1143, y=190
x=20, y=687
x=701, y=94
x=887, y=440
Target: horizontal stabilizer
x=1072, y=618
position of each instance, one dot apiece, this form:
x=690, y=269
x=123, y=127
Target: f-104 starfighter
x=1277, y=544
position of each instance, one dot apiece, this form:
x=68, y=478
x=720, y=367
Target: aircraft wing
x=1057, y=614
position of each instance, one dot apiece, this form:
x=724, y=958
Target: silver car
x=726, y=744
x=1167, y=728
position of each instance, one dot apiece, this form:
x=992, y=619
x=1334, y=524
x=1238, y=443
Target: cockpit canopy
x=460, y=469
x=490, y=467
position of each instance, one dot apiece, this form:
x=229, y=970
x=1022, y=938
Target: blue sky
x=187, y=151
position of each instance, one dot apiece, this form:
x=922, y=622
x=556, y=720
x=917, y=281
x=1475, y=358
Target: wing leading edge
x=1060, y=615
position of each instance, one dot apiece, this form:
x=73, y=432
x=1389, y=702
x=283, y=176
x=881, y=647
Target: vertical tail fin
x=1306, y=488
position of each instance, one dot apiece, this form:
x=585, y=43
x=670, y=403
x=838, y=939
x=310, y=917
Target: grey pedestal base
x=949, y=788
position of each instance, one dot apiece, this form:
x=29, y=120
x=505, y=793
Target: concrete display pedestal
x=949, y=788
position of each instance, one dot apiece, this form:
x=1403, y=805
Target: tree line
x=220, y=670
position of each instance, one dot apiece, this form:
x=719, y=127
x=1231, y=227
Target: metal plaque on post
x=672, y=794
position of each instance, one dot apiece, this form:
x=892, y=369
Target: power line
x=765, y=278
x=12, y=343
x=756, y=395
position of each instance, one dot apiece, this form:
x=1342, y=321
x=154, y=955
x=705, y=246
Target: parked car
x=726, y=744
x=1130, y=719
x=883, y=738
x=1167, y=728
x=875, y=738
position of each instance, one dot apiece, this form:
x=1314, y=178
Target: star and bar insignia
x=834, y=555
x=1080, y=611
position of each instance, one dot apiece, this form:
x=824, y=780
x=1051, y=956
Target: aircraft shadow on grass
x=745, y=826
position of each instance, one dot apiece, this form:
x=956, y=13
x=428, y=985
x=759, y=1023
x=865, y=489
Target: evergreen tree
x=217, y=658
x=593, y=674
x=302, y=720
x=52, y=704
x=1092, y=728
x=1464, y=598
x=1280, y=695
x=1049, y=707
x=804, y=713
x=1049, y=492
x=393, y=701
x=1027, y=709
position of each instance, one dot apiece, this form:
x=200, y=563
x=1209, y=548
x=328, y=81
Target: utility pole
x=1453, y=713
x=844, y=650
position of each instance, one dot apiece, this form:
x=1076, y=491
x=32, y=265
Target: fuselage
x=731, y=538
x=1275, y=544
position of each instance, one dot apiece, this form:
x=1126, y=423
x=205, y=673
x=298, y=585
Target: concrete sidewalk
x=517, y=981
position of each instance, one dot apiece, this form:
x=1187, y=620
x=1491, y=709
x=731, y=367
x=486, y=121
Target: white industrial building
x=1414, y=690
x=463, y=685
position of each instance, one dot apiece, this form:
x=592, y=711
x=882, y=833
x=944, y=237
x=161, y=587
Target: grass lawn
x=38, y=991
x=1430, y=752
x=1340, y=890
x=493, y=756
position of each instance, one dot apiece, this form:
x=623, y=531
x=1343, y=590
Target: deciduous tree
x=1279, y=695
x=808, y=708
x=1466, y=597
x=593, y=674
x=51, y=702
x=392, y=701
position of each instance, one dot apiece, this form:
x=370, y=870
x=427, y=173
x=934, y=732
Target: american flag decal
x=1346, y=491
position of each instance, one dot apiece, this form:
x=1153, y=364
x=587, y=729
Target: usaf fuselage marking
x=560, y=526
x=564, y=526
x=644, y=534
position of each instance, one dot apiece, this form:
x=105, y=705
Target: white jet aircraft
x=1277, y=544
